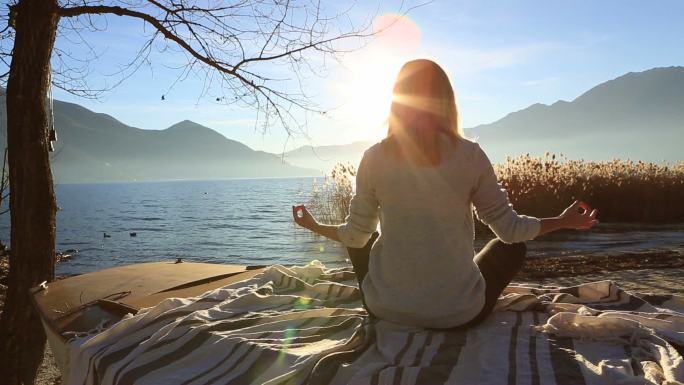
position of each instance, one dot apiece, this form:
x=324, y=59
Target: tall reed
x=622, y=190
x=330, y=198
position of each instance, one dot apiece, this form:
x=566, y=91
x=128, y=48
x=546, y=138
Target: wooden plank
x=193, y=291
x=130, y=282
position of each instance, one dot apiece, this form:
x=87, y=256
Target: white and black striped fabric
x=306, y=325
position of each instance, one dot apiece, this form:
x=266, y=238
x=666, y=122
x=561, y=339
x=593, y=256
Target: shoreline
x=580, y=265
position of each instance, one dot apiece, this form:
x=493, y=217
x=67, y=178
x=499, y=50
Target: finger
x=578, y=207
x=584, y=206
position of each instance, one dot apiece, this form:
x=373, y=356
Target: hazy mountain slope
x=94, y=147
x=324, y=158
x=638, y=115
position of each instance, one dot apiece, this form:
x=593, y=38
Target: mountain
x=639, y=115
x=95, y=147
x=325, y=157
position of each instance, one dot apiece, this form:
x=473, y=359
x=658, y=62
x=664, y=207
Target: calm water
x=245, y=221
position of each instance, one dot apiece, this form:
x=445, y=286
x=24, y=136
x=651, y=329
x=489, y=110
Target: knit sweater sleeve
x=493, y=208
x=363, y=209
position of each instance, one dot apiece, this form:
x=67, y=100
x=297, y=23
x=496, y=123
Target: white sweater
x=421, y=269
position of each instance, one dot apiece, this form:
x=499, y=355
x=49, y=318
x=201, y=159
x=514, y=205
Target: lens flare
x=397, y=32
x=288, y=336
x=302, y=303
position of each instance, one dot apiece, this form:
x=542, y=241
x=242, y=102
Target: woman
x=420, y=183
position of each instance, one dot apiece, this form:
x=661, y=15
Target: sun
x=366, y=88
x=367, y=94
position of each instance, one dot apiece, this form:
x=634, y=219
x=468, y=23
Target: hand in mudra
x=303, y=217
x=579, y=216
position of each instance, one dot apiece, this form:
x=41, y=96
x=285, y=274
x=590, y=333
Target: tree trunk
x=32, y=198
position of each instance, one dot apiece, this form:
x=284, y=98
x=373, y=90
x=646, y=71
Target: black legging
x=499, y=262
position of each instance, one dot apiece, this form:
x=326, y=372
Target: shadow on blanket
x=306, y=325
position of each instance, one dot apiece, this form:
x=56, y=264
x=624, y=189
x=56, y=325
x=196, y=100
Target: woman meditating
x=421, y=183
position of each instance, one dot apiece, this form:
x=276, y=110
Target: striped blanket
x=306, y=325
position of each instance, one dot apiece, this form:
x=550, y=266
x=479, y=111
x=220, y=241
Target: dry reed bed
x=624, y=191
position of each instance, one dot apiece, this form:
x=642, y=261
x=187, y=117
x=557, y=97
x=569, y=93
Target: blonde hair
x=423, y=111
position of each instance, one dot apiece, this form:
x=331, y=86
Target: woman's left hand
x=579, y=216
x=303, y=217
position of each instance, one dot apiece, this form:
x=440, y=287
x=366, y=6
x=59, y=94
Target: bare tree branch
x=119, y=11
x=233, y=39
x=253, y=53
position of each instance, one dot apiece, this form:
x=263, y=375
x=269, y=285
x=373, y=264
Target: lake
x=248, y=221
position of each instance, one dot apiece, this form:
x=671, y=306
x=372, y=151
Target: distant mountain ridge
x=96, y=147
x=639, y=115
x=324, y=158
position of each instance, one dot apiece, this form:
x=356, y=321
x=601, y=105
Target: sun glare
x=369, y=93
x=366, y=90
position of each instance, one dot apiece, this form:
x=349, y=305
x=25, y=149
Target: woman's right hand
x=579, y=216
x=303, y=217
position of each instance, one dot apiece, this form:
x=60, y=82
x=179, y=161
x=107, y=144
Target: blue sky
x=502, y=56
